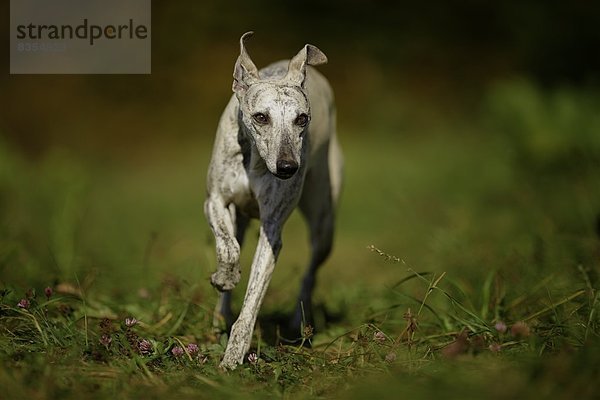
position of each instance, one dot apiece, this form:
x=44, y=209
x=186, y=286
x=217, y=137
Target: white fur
x=247, y=180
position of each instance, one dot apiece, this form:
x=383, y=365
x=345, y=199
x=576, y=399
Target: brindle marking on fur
x=243, y=181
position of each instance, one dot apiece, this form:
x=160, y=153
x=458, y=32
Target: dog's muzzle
x=286, y=169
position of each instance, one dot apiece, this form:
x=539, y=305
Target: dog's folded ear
x=309, y=55
x=245, y=72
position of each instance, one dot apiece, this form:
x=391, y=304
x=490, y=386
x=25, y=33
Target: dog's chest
x=240, y=193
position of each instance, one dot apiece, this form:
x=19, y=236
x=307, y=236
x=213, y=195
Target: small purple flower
x=177, y=351
x=105, y=340
x=495, y=347
x=129, y=322
x=23, y=303
x=308, y=332
x=520, y=330
x=145, y=347
x=193, y=349
x=500, y=327
x=390, y=357
x=379, y=337
x=48, y=292
x=252, y=358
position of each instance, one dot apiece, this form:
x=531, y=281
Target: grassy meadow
x=465, y=266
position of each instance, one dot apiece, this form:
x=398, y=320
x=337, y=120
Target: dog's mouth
x=284, y=176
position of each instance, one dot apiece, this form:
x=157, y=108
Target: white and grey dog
x=275, y=149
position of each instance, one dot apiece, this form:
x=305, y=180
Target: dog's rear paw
x=225, y=280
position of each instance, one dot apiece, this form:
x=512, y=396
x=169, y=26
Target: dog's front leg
x=269, y=244
x=221, y=218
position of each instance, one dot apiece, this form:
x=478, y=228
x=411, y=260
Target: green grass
x=442, y=234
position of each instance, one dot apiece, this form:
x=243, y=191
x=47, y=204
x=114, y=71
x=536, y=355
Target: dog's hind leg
x=320, y=220
x=319, y=199
x=317, y=207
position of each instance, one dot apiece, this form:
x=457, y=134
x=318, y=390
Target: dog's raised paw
x=225, y=280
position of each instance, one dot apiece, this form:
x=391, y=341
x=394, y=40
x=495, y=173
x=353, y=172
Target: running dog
x=275, y=149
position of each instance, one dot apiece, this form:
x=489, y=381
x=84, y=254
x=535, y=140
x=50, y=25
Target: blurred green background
x=471, y=132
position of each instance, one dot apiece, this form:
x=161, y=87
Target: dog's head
x=276, y=112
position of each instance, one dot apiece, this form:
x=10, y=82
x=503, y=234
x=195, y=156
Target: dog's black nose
x=286, y=168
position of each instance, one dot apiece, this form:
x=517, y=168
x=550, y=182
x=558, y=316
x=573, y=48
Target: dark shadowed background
x=392, y=64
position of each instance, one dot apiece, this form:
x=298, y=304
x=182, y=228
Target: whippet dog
x=275, y=149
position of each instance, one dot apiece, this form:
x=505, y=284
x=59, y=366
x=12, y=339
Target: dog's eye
x=261, y=118
x=301, y=120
